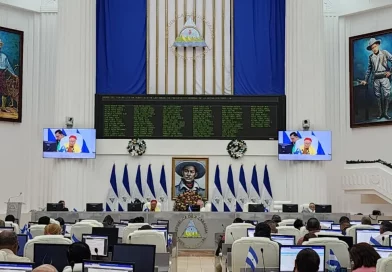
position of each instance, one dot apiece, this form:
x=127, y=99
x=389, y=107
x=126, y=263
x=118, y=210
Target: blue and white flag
x=112, y=197
x=29, y=235
x=217, y=194
x=137, y=190
x=189, y=208
x=75, y=210
x=333, y=263
x=254, y=191
x=374, y=242
x=242, y=191
x=229, y=199
x=124, y=192
x=251, y=259
x=24, y=229
x=266, y=197
x=163, y=197
x=149, y=191
x=74, y=239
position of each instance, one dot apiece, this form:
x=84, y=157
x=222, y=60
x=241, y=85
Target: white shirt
x=385, y=235
x=78, y=267
x=9, y=256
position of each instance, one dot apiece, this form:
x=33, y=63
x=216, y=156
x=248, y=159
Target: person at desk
x=10, y=218
x=53, y=229
x=108, y=222
x=64, y=209
x=307, y=260
x=9, y=246
x=310, y=209
x=272, y=225
x=366, y=220
x=77, y=252
x=364, y=258
x=153, y=206
x=385, y=231
x=294, y=138
x=263, y=230
x=313, y=226
x=344, y=222
x=45, y=268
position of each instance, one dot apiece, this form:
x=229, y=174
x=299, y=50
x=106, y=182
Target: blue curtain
x=121, y=47
x=259, y=47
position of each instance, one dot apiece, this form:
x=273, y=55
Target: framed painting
x=190, y=174
x=11, y=72
x=370, y=79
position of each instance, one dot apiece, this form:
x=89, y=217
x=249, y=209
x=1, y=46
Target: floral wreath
x=183, y=200
x=136, y=147
x=236, y=148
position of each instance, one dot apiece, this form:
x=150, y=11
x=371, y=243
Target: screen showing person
x=286, y=240
x=366, y=235
x=288, y=254
x=69, y=143
x=383, y=251
x=101, y=266
x=305, y=145
x=98, y=244
x=13, y=267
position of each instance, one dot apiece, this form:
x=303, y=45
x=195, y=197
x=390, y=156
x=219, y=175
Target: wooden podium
x=14, y=208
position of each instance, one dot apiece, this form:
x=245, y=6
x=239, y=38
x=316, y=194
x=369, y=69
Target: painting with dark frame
x=11, y=72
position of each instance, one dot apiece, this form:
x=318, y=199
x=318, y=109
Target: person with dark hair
x=60, y=220
x=145, y=227
x=138, y=220
x=313, y=226
x=309, y=236
x=272, y=225
x=344, y=222
x=64, y=209
x=263, y=230
x=385, y=231
x=59, y=136
x=276, y=218
x=10, y=218
x=294, y=138
x=44, y=220
x=364, y=258
x=77, y=252
x=108, y=222
x=238, y=220
x=307, y=260
x=366, y=220
x=298, y=224
x=310, y=209
x=9, y=247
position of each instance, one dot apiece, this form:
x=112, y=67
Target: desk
x=205, y=223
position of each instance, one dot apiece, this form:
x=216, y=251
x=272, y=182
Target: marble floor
x=196, y=264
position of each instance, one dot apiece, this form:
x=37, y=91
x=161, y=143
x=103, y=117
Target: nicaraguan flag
x=217, y=195
x=242, y=191
x=24, y=229
x=75, y=210
x=74, y=239
x=163, y=197
x=137, y=192
x=266, y=197
x=254, y=192
x=333, y=262
x=29, y=235
x=149, y=192
x=373, y=241
x=229, y=200
x=112, y=197
x=251, y=259
x=124, y=192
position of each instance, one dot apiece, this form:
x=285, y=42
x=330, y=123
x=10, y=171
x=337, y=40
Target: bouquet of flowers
x=185, y=199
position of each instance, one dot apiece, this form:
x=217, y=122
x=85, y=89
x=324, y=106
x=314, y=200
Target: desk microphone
x=383, y=238
x=262, y=256
x=9, y=199
x=72, y=264
x=96, y=251
x=232, y=236
x=223, y=226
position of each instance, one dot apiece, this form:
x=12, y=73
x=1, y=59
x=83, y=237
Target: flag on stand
x=163, y=197
x=137, y=192
x=333, y=262
x=149, y=193
x=124, y=192
x=112, y=197
x=229, y=201
x=254, y=192
x=24, y=229
x=374, y=241
x=266, y=197
x=242, y=191
x=251, y=259
x=217, y=195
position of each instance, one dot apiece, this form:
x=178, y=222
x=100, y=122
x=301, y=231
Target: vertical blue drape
x=121, y=47
x=259, y=47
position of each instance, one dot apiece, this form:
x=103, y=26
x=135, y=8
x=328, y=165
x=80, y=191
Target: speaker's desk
x=194, y=230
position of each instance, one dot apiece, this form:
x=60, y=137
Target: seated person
x=307, y=148
x=276, y=218
x=44, y=220
x=108, y=222
x=272, y=225
x=53, y=229
x=60, y=220
x=137, y=220
x=145, y=227
x=385, y=231
x=309, y=236
x=45, y=268
x=238, y=220
x=298, y=224
x=310, y=209
x=9, y=245
x=307, y=260
x=77, y=252
x=366, y=220
x=313, y=226
x=153, y=206
x=10, y=218
x=222, y=240
x=64, y=209
x=363, y=258
x=344, y=222
x=263, y=230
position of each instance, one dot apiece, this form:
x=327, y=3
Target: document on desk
x=97, y=243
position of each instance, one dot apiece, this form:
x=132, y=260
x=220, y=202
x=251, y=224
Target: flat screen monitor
x=98, y=244
x=6, y=229
x=383, y=251
x=163, y=222
x=143, y=256
x=121, y=227
x=355, y=222
x=327, y=223
x=94, y=207
x=305, y=145
x=54, y=207
x=135, y=207
x=330, y=230
x=323, y=208
x=335, y=226
x=347, y=239
x=251, y=232
x=67, y=228
x=285, y=240
x=102, y=266
x=288, y=254
x=22, y=240
x=376, y=226
x=365, y=235
x=380, y=221
x=256, y=208
x=64, y=143
x=54, y=254
x=112, y=234
x=290, y=208
x=17, y=267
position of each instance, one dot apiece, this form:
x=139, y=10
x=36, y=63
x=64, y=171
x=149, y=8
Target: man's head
x=276, y=218
x=298, y=224
x=77, y=252
x=375, y=48
x=373, y=45
x=153, y=204
x=62, y=202
x=385, y=226
x=293, y=137
x=145, y=227
x=263, y=230
x=272, y=225
x=61, y=221
x=58, y=134
x=52, y=229
x=307, y=260
x=307, y=142
x=72, y=140
x=10, y=218
x=313, y=225
x=189, y=173
x=344, y=222
x=238, y=220
x=312, y=206
x=44, y=220
x=9, y=240
x=366, y=220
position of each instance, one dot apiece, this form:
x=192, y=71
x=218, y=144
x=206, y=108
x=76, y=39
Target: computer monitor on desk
x=327, y=223
x=112, y=233
x=102, y=266
x=143, y=256
x=285, y=240
x=347, y=239
x=383, y=251
x=98, y=244
x=288, y=255
x=121, y=227
x=256, y=208
x=323, y=208
x=6, y=229
x=290, y=208
x=17, y=267
x=366, y=235
x=94, y=207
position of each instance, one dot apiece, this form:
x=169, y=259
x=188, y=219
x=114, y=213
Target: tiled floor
x=196, y=264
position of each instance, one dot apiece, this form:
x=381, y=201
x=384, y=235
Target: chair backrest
x=384, y=265
x=53, y=221
x=14, y=225
x=303, y=231
x=289, y=231
x=3, y=256
x=94, y=223
x=339, y=248
x=81, y=228
x=241, y=247
x=44, y=239
x=351, y=231
x=277, y=205
x=286, y=222
x=303, y=207
x=129, y=230
x=236, y=231
x=329, y=233
x=149, y=237
x=37, y=230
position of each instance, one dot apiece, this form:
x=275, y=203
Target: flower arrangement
x=136, y=147
x=236, y=148
x=185, y=199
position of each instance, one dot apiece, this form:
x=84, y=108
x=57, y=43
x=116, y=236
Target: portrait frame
x=203, y=182
x=364, y=105
x=12, y=47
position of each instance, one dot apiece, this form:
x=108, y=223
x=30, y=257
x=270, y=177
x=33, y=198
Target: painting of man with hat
x=190, y=175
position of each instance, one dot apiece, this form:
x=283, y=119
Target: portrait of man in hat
x=190, y=175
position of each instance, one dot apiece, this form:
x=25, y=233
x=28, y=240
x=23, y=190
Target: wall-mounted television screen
x=305, y=145
x=64, y=143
